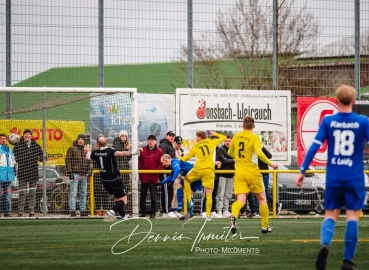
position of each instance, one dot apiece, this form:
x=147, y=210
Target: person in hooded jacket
x=77, y=167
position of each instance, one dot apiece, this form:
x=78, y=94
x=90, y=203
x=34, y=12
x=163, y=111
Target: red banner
x=310, y=112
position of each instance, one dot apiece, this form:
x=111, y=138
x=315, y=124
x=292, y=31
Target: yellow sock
x=264, y=213
x=236, y=207
x=361, y=213
x=209, y=203
x=187, y=192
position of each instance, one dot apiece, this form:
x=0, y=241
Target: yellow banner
x=59, y=135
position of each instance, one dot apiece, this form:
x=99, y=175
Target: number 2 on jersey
x=241, y=146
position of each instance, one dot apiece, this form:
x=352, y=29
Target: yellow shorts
x=206, y=175
x=246, y=183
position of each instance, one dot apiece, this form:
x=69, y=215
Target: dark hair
x=3, y=135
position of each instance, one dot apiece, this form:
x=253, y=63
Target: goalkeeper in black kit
x=105, y=158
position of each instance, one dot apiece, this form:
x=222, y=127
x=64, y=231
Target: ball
x=14, y=138
x=152, y=122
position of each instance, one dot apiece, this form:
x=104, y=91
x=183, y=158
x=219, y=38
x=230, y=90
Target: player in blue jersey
x=345, y=133
x=180, y=168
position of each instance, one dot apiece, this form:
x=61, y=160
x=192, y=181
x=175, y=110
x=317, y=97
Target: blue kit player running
x=180, y=168
x=345, y=133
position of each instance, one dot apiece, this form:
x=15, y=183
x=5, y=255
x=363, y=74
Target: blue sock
x=327, y=231
x=351, y=238
x=180, y=197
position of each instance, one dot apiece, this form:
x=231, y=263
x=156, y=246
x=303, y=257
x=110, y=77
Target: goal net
x=53, y=125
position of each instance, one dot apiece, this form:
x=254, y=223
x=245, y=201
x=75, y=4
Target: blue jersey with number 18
x=345, y=134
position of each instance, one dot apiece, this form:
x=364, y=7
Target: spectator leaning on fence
x=7, y=172
x=77, y=167
x=27, y=154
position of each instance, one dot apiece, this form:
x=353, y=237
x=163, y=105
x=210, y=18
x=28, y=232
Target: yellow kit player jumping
x=203, y=169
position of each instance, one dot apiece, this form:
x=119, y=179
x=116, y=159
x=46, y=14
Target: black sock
x=118, y=206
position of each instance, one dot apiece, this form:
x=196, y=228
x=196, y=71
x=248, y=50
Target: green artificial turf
x=87, y=244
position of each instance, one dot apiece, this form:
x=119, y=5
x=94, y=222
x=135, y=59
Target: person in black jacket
x=27, y=154
x=225, y=186
x=263, y=166
x=167, y=189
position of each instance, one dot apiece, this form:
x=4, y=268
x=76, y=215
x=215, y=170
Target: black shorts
x=115, y=187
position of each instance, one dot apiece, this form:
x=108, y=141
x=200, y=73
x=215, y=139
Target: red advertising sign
x=310, y=112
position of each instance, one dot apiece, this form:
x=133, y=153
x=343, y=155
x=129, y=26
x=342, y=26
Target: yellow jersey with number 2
x=246, y=148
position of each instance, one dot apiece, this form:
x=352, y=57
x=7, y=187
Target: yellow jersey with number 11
x=204, y=152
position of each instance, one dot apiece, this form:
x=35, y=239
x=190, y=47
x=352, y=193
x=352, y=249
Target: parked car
x=57, y=191
x=311, y=196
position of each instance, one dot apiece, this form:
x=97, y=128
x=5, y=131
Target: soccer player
x=345, y=133
x=179, y=168
x=106, y=160
x=203, y=169
x=246, y=148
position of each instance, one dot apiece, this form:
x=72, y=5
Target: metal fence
x=307, y=47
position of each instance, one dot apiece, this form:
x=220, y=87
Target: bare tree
x=244, y=38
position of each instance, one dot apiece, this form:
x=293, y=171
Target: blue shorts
x=351, y=197
x=196, y=185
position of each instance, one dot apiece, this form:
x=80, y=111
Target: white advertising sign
x=224, y=111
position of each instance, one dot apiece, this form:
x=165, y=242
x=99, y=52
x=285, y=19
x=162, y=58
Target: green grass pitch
x=87, y=244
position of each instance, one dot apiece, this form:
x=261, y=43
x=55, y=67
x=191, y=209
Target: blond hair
x=345, y=94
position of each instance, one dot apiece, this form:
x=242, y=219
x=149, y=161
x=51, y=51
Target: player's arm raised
x=220, y=139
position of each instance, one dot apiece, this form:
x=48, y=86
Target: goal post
x=56, y=117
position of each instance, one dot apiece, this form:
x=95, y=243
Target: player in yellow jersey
x=246, y=148
x=203, y=169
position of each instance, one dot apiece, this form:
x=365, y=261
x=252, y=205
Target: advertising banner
x=109, y=115
x=310, y=112
x=224, y=110
x=59, y=135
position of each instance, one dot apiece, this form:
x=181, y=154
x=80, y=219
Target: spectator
x=121, y=143
x=167, y=189
x=177, y=187
x=27, y=154
x=7, y=172
x=225, y=186
x=77, y=168
x=149, y=160
x=263, y=166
